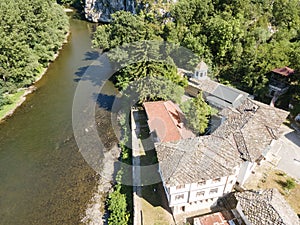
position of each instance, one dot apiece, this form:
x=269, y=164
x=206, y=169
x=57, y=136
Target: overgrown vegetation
x=272, y=178
x=31, y=32
x=117, y=205
x=120, y=202
x=240, y=40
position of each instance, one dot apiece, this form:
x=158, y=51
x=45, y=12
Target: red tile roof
x=285, y=71
x=166, y=119
x=212, y=219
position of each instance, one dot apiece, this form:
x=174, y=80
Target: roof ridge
x=164, y=102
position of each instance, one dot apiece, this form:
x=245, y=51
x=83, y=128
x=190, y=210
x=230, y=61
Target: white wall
x=174, y=200
x=197, y=196
x=175, y=190
x=245, y=171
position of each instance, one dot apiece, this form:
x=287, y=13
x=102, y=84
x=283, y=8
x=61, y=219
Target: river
x=43, y=177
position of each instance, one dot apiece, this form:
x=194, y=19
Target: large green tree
x=153, y=88
x=197, y=113
x=136, y=49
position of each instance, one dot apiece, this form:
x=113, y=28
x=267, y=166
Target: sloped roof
x=219, y=95
x=219, y=218
x=267, y=207
x=166, y=119
x=244, y=135
x=195, y=159
x=285, y=71
x=254, y=125
x=206, y=85
x=229, y=96
x=202, y=66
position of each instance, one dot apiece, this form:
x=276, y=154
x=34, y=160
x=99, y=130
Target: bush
x=290, y=184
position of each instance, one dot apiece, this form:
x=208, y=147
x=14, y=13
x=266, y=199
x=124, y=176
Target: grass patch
x=286, y=185
x=15, y=98
x=154, y=205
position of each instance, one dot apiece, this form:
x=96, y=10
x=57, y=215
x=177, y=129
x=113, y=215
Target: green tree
x=197, y=113
x=125, y=28
x=153, y=88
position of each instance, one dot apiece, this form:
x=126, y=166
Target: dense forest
x=31, y=32
x=240, y=40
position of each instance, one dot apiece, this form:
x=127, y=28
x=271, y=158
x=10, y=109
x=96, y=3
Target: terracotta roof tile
x=285, y=71
x=166, y=119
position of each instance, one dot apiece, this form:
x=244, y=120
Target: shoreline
x=95, y=212
x=32, y=87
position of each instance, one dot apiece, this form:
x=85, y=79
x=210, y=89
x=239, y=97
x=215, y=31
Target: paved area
x=136, y=173
x=286, y=152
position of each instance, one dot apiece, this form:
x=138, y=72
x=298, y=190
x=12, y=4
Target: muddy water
x=43, y=178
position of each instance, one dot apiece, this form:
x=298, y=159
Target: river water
x=43, y=177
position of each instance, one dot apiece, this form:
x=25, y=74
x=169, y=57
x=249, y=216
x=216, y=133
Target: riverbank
x=19, y=97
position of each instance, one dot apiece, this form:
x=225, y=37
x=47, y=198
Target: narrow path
x=136, y=172
x=150, y=203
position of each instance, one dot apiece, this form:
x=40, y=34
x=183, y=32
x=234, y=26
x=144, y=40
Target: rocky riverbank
x=95, y=214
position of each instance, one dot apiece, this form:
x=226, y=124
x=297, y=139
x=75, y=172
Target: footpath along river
x=43, y=177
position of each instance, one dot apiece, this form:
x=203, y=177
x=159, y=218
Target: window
x=213, y=191
x=178, y=197
x=179, y=187
x=201, y=183
x=200, y=193
x=216, y=180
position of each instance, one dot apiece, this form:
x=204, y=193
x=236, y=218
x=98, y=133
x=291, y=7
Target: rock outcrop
x=101, y=10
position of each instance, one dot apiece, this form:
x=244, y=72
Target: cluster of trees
x=31, y=32
x=241, y=40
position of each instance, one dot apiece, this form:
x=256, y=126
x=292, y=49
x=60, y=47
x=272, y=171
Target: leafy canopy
x=31, y=32
x=197, y=113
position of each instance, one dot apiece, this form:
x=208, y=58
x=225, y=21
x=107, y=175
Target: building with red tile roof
x=219, y=218
x=285, y=71
x=166, y=121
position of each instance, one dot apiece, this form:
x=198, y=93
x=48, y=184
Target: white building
x=194, y=176
x=197, y=171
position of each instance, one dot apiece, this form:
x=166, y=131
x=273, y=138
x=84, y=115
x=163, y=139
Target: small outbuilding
x=279, y=81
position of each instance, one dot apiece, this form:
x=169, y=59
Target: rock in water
x=101, y=10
